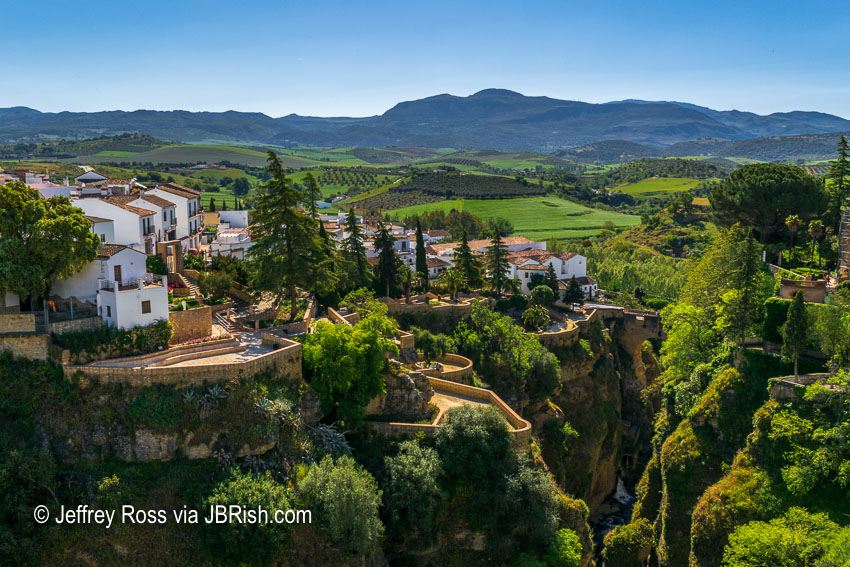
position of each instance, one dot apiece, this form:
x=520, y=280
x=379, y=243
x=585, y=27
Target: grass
x=658, y=187
x=115, y=153
x=198, y=153
x=536, y=218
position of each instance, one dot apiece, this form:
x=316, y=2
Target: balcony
x=135, y=284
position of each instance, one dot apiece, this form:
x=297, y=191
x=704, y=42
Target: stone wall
x=813, y=291
x=85, y=324
x=17, y=323
x=34, y=347
x=562, y=338
x=286, y=358
x=191, y=324
x=448, y=310
x=520, y=428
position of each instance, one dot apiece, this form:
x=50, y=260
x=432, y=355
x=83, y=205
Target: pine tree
x=574, y=293
x=467, y=263
x=286, y=243
x=421, y=258
x=355, y=249
x=497, y=263
x=312, y=193
x=795, y=330
x=387, y=268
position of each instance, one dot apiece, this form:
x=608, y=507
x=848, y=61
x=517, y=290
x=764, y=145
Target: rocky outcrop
x=406, y=396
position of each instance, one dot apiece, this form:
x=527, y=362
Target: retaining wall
x=521, y=429
x=192, y=323
x=85, y=324
x=286, y=359
x=17, y=323
x=34, y=347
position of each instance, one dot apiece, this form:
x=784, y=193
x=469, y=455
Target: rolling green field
x=658, y=187
x=536, y=218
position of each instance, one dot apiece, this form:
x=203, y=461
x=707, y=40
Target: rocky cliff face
x=406, y=396
x=598, y=425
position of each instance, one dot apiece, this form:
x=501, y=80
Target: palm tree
x=420, y=282
x=793, y=222
x=535, y=317
x=405, y=275
x=815, y=231
x=453, y=279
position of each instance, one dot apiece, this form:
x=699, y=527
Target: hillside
x=492, y=118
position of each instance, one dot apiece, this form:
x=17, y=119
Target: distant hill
x=493, y=118
x=609, y=152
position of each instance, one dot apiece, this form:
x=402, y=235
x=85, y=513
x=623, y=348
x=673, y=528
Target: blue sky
x=360, y=58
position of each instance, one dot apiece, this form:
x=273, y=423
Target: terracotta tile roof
x=135, y=210
x=436, y=262
x=106, y=251
x=534, y=267
x=96, y=220
x=119, y=181
x=478, y=244
x=158, y=201
x=436, y=232
x=179, y=190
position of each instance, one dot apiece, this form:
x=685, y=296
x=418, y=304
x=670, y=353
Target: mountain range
x=492, y=118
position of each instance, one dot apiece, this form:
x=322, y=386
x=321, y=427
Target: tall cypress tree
x=467, y=263
x=286, y=242
x=497, y=263
x=387, y=267
x=312, y=193
x=356, y=250
x=421, y=258
x=795, y=331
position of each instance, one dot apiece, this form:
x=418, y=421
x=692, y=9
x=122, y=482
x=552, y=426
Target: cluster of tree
x=41, y=240
x=470, y=466
x=512, y=359
x=454, y=222
x=73, y=148
x=448, y=185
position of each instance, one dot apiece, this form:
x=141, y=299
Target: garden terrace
x=215, y=361
x=448, y=394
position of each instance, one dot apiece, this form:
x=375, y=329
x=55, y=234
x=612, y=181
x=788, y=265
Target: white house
x=165, y=219
x=566, y=265
x=188, y=211
x=133, y=226
x=118, y=285
x=104, y=228
x=512, y=244
x=436, y=267
x=234, y=219
x=231, y=242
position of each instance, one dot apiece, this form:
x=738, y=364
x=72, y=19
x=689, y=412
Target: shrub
x=629, y=545
x=345, y=499
x=565, y=550
x=215, y=285
x=194, y=262
x=252, y=543
x=470, y=439
x=156, y=266
x=542, y=295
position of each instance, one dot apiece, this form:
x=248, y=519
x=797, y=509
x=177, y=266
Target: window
x=164, y=216
x=103, y=238
x=146, y=306
x=109, y=311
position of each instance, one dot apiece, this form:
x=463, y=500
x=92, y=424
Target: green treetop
x=41, y=240
x=286, y=242
x=761, y=196
x=387, y=268
x=839, y=173
x=355, y=250
x=497, y=264
x=795, y=332
x=467, y=263
x=312, y=193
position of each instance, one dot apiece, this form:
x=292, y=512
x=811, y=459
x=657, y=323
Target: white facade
x=118, y=284
x=103, y=228
x=131, y=228
x=234, y=219
x=231, y=242
x=187, y=210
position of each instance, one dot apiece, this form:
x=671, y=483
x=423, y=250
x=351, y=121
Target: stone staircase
x=223, y=322
x=192, y=283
